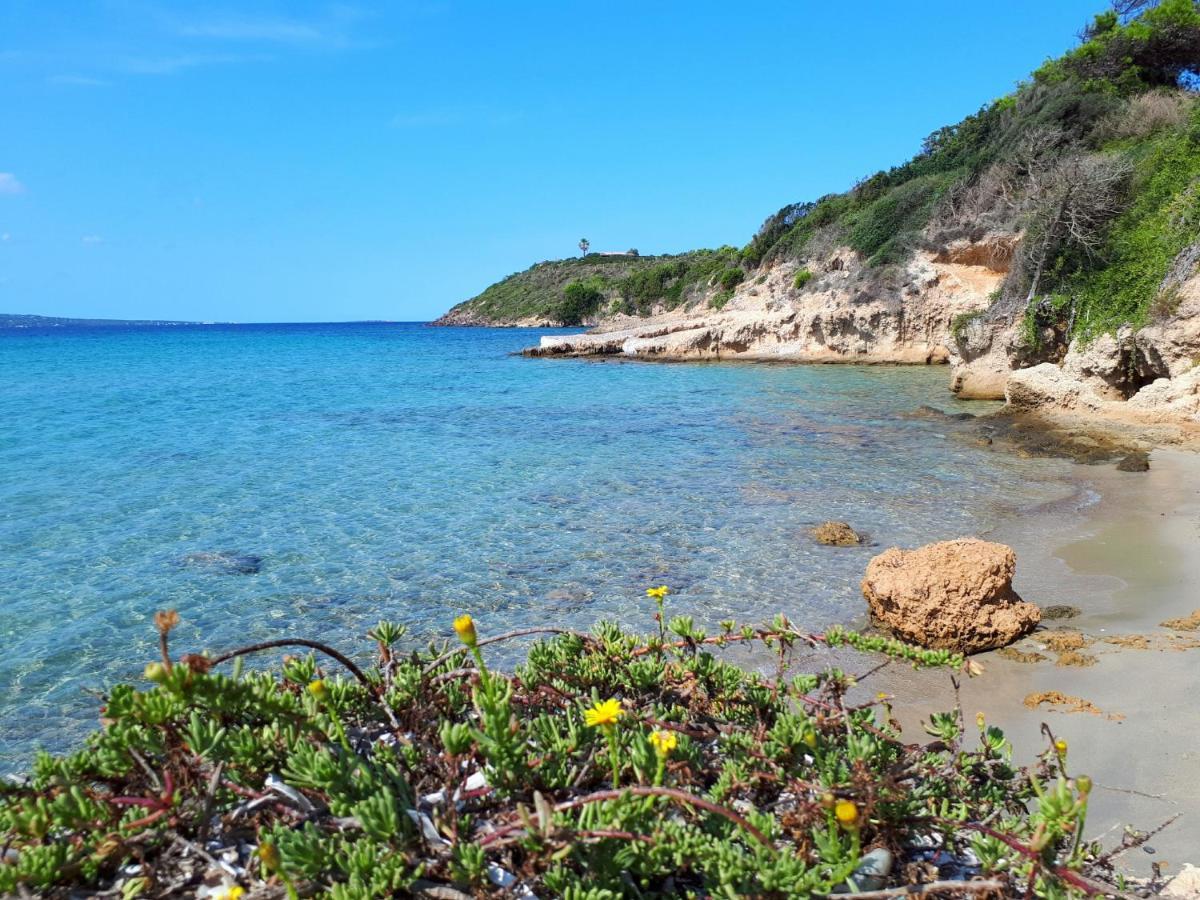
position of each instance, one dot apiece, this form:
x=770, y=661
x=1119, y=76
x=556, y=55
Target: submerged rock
x=1135, y=462
x=225, y=561
x=836, y=534
x=953, y=595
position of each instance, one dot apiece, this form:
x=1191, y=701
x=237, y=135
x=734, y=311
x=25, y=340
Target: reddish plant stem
x=297, y=642
x=639, y=791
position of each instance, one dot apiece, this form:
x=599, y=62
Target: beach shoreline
x=1122, y=552
x=1120, y=549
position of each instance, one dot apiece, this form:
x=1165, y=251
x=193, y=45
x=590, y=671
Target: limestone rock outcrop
x=953, y=595
x=841, y=315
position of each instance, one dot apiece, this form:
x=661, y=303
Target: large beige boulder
x=1050, y=387
x=953, y=595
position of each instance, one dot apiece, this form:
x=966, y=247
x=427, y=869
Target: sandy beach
x=1124, y=551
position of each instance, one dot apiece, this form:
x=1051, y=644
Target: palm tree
x=584, y=244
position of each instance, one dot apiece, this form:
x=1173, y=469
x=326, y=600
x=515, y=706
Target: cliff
x=1045, y=247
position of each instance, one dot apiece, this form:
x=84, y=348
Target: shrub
x=731, y=278
x=803, y=277
x=1162, y=219
x=606, y=763
x=1146, y=114
x=961, y=322
x=882, y=229
x=720, y=298
x=580, y=300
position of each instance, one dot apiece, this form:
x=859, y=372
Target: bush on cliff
x=606, y=764
x=580, y=300
x=730, y=278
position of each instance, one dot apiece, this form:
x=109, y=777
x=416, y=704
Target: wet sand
x=1124, y=549
x=1128, y=560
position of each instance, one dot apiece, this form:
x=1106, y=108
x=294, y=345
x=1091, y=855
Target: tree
x=1074, y=199
x=580, y=300
x=584, y=245
x=1129, y=9
x=1140, y=44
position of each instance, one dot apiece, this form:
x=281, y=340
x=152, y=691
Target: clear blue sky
x=252, y=161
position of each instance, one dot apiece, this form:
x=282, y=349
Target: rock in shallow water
x=1135, y=462
x=836, y=534
x=225, y=561
x=953, y=595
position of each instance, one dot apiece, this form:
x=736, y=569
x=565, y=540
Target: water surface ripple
x=308, y=480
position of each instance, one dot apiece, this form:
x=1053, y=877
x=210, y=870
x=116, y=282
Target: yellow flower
x=464, y=626
x=658, y=592
x=230, y=892
x=318, y=689
x=664, y=742
x=846, y=813
x=1084, y=783
x=1061, y=746
x=269, y=856
x=979, y=720
x=155, y=671
x=606, y=713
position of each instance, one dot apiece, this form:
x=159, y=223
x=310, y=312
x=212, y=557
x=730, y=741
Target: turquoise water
x=309, y=480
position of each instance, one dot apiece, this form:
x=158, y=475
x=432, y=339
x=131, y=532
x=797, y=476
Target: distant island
x=14, y=320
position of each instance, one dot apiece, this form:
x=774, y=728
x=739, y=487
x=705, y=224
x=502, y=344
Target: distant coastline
x=12, y=320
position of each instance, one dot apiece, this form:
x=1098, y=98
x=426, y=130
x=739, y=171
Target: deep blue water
x=400, y=471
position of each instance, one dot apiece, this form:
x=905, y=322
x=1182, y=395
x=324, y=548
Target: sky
x=308, y=161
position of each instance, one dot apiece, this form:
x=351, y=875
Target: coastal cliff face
x=842, y=313
x=1046, y=247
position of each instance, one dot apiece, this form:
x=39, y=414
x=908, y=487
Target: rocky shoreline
x=1139, y=382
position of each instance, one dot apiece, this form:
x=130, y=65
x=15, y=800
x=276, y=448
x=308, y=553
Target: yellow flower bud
x=318, y=689
x=979, y=720
x=1084, y=783
x=155, y=672
x=1061, y=746
x=846, y=813
x=464, y=627
x=664, y=742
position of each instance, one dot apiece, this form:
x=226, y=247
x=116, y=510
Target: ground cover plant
x=607, y=764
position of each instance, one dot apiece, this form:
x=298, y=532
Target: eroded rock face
x=840, y=316
x=952, y=595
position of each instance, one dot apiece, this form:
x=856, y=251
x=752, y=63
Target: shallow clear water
x=412, y=473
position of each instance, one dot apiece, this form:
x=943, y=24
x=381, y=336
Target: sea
x=273, y=481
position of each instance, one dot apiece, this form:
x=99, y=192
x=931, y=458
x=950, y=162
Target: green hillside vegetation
x=1095, y=159
x=574, y=290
